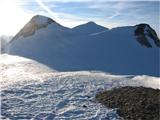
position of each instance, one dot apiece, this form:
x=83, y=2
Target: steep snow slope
x=123, y=50
x=30, y=90
x=121, y=53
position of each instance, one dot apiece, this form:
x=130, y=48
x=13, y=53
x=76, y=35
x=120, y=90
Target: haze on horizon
x=16, y=13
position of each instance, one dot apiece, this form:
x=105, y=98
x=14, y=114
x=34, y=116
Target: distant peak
x=91, y=22
x=89, y=28
x=144, y=32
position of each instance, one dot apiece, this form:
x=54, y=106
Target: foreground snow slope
x=123, y=50
x=31, y=90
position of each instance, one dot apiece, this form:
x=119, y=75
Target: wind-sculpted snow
x=30, y=90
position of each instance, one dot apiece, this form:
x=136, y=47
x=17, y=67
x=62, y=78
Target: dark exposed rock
x=133, y=103
x=84, y=106
x=143, y=33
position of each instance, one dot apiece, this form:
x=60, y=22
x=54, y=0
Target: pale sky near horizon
x=16, y=13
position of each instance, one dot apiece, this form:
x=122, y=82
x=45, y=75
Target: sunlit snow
x=30, y=90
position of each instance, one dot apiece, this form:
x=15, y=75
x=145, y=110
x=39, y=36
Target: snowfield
x=30, y=90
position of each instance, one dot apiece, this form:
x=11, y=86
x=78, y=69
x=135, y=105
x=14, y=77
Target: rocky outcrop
x=143, y=33
x=133, y=103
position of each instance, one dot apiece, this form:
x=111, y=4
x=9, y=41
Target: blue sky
x=104, y=12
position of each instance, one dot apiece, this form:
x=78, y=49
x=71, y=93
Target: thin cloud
x=119, y=7
x=110, y=13
x=114, y=15
x=47, y=9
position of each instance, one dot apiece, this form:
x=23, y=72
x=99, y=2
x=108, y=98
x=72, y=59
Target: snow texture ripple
x=39, y=93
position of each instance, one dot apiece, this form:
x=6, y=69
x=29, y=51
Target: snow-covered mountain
x=121, y=50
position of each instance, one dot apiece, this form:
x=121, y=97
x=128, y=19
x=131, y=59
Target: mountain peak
x=39, y=19
x=91, y=23
x=146, y=35
x=40, y=16
x=37, y=22
x=89, y=28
